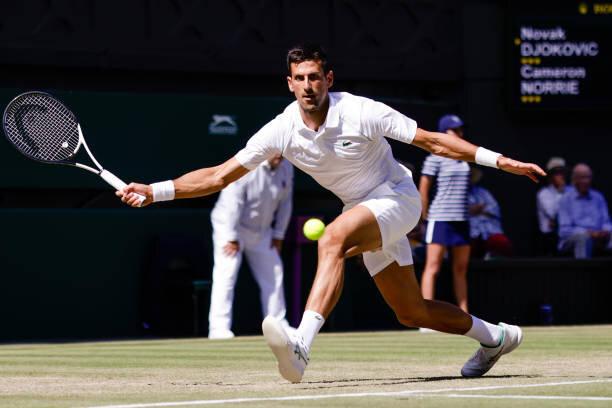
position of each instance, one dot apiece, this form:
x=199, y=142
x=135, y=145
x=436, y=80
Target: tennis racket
x=45, y=130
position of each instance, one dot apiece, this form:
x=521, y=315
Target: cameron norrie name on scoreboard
x=544, y=69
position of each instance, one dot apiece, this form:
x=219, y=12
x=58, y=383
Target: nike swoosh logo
x=299, y=353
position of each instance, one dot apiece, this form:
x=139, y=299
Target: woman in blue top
x=447, y=216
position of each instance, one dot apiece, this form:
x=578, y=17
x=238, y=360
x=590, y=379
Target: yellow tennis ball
x=313, y=229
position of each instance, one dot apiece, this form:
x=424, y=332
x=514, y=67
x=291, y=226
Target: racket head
x=42, y=128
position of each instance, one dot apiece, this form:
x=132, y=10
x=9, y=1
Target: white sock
x=489, y=335
x=309, y=326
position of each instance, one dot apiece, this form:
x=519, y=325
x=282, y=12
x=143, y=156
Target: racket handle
x=116, y=182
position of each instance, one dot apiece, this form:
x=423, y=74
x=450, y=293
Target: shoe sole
x=223, y=336
x=277, y=340
x=427, y=331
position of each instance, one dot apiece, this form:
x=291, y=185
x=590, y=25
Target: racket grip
x=117, y=183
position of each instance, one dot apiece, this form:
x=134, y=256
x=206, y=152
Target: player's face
x=310, y=85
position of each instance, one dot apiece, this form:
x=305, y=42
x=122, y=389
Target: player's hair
x=307, y=52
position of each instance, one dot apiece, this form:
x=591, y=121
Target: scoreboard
x=560, y=55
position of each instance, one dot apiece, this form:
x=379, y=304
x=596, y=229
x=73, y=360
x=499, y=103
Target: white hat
x=555, y=162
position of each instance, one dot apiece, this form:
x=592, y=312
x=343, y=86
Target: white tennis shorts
x=397, y=209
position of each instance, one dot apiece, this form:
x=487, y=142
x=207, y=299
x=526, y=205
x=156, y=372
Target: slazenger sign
x=223, y=125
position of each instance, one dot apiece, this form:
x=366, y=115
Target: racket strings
x=41, y=127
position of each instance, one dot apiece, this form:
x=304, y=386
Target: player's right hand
x=128, y=194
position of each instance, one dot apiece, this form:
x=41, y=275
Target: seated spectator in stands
x=487, y=237
x=584, y=221
x=548, y=204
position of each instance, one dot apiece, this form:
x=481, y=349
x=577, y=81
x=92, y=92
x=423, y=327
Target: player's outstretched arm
x=197, y=183
x=453, y=147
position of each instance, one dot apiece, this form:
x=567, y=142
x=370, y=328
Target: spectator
x=584, y=221
x=548, y=204
x=447, y=216
x=250, y=218
x=487, y=237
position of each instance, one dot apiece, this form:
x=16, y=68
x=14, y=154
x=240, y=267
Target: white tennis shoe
x=290, y=351
x=425, y=330
x=221, y=334
x=486, y=357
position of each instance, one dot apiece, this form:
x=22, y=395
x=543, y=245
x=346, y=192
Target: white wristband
x=486, y=157
x=163, y=191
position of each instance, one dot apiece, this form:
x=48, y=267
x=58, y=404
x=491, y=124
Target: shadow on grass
x=357, y=382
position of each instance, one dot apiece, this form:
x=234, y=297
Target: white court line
x=347, y=395
x=539, y=397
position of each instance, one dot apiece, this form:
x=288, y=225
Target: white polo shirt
x=348, y=155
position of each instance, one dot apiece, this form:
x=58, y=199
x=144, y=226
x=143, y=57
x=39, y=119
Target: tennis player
x=339, y=139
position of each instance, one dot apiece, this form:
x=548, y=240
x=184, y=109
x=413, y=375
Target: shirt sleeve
x=262, y=145
x=543, y=217
x=491, y=205
x=378, y=120
x=567, y=226
x=606, y=225
x=431, y=165
x=283, y=214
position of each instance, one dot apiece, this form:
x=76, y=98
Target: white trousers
x=267, y=269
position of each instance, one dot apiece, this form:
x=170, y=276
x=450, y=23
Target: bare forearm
x=424, y=207
x=209, y=180
x=453, y=147
x=199, y=183
x=445, y=145
x=424, y=186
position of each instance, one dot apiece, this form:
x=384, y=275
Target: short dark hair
x=307, y=52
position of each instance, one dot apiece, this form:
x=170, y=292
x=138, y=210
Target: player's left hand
x=522, y=169
x=128, y=194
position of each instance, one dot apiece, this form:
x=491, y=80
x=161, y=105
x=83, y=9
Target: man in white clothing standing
x=339, y=140
x=250, y=218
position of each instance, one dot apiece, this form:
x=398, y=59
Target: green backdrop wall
x=80, y=273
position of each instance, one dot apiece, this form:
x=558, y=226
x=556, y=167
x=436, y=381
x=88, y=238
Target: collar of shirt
x=554, y=189
x=579, y=196
x=332, y=120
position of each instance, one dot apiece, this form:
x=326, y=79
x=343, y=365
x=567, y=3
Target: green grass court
x=555, y=366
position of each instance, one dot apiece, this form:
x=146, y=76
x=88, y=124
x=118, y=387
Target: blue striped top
x=453, y=180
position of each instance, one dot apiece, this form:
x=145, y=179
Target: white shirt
x=348, y=155
x=453, y=181
x=255, y=202
x=548, y=199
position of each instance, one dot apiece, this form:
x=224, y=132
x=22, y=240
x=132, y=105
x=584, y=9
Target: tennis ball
x=313, y=229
